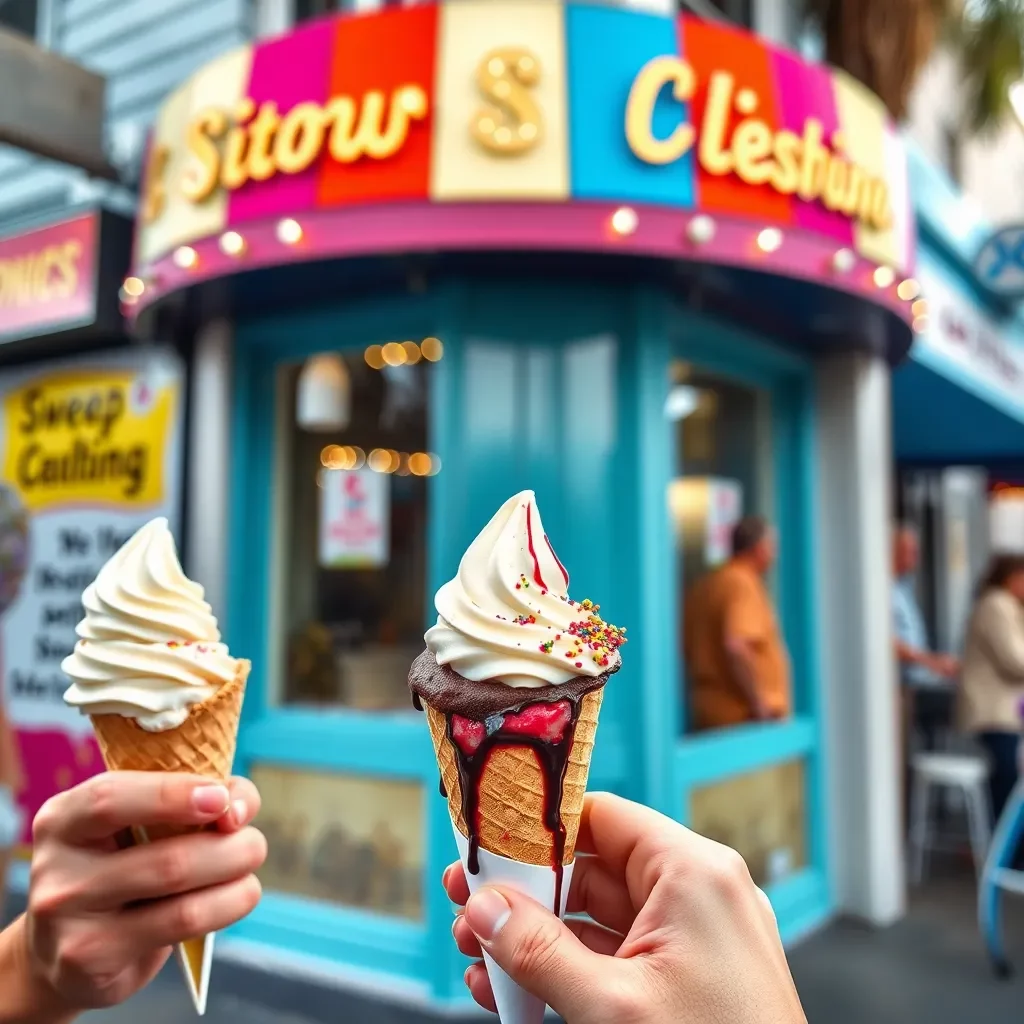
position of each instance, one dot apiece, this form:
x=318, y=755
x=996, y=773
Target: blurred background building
x=522, y=271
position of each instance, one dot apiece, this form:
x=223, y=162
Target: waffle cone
x=512, y=790
x=204, y=744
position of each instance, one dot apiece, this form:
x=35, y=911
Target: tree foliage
x=886, y=43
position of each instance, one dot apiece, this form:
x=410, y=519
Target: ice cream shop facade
x=648, y=267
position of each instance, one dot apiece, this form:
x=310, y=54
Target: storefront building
x=958, y=409
x=651, y=268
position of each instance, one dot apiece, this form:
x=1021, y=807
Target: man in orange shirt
x=737, y=663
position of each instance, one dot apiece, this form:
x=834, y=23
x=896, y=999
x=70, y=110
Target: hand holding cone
x=161, y=690
x=512, y=684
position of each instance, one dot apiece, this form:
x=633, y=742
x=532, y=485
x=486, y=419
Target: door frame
x=805, y=898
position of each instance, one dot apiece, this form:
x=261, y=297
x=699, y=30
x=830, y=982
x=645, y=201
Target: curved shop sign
x=482, y=102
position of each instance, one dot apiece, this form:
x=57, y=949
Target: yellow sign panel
x=90, y=437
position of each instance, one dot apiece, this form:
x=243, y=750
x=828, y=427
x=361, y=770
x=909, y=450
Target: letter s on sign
x=653, y=77
x=513, y=124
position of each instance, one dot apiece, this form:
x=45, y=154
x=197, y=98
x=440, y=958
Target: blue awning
x=937, y=419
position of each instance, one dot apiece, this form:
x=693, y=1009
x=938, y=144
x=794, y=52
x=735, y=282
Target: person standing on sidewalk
x=993, y=680
x=924, y=674
x=736, y=658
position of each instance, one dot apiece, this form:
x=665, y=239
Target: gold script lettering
x=201, y=178
x=640, y=110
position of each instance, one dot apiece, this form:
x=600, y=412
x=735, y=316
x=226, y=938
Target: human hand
x=945, y=665
x=101, y=921
x=678, y=930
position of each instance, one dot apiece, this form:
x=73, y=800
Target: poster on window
x=355, y=519
x=89, y=451
x=724, y=509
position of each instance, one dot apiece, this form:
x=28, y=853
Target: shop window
x=20, y=16
x=724, y=473
x=351, y=548
x=760, y=814
x=354, y=841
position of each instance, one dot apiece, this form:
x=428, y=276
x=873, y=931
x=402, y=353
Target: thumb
x=536, y=950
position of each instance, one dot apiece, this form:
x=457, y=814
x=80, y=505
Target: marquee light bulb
x=908, y=289
x=624, y=220
x=843, y=261
x=769, y=240
x=701, y=229
x=185, y=257
x=232, y=243
x=884, y=277
x=289, y=231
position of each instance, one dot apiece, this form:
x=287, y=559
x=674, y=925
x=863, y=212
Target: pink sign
x=47, y=278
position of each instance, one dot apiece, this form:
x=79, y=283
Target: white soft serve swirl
x=476, y=632
x=149, y=647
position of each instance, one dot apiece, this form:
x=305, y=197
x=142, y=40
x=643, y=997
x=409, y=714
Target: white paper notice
x=355, y=518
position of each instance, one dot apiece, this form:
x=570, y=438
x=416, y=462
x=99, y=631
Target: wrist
x=28, y=998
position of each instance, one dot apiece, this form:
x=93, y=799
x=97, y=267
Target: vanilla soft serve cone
x=163, y=693
x=511, y=683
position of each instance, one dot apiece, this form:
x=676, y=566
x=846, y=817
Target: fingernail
x=444, y=877
x=487, y=912
x=240, y=812
x=210, y=799
x=457, y=910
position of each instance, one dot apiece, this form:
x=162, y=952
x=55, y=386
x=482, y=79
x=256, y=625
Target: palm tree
x=886, y=43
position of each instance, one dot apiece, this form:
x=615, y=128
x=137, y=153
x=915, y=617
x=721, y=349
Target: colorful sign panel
x=475, y=100
x=355, y=518
x=89, y=451
x=48, y=278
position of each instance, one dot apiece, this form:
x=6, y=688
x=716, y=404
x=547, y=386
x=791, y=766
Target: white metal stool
x=938, y=772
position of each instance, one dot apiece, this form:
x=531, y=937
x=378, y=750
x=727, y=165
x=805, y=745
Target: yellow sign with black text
x=90, y=437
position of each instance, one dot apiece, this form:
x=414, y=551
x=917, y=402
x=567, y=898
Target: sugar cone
x=204, y=744
x=512, y=790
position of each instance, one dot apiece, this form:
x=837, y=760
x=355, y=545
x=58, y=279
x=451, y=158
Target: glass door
x=740, y=502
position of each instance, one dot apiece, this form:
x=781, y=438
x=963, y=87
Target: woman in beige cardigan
x=992, y=687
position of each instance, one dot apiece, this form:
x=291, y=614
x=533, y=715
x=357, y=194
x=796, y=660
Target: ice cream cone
x=204, y=744
x=511, y=815
x=515, y=1004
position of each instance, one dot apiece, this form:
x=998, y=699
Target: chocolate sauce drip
x=446, y=691
x=553, y=758
x=416, y=703
x=441, y=789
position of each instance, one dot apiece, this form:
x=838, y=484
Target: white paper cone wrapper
x=198, y=987
x=515, y=1005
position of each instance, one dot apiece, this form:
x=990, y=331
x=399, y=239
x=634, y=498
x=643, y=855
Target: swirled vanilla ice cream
x=162, y=691
x=149, y=648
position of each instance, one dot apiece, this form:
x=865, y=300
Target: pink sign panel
x=47, y=278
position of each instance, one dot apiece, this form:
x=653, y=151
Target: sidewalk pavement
x=929, y=968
